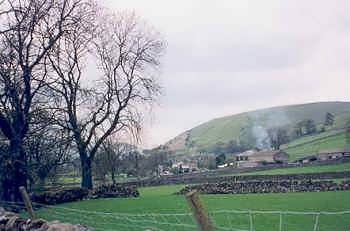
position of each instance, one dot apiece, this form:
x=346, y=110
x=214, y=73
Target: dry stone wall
x=64, y=195
x=267, y=187
x=12, y=222
x=190, y=179
x=59, y=196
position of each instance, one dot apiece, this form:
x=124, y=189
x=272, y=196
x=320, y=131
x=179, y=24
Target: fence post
x=27, y=202
x=199, y=213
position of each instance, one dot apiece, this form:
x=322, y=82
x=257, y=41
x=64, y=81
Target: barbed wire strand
x=162, y=222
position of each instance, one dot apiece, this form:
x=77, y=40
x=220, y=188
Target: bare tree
x=28, y=31
x=48, y=147
x=126, y=55
x=134, y=164
x=159, y=156
x=277, y=136
x=109, y=158
x=329, y=119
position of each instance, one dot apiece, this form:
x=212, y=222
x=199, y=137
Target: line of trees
x=277, y=137
x=50, y=102
x=117, y=158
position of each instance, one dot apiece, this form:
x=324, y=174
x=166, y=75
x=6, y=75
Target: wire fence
x=225, y=220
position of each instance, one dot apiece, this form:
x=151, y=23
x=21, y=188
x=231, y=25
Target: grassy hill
x=250, y=127
x=313, y=144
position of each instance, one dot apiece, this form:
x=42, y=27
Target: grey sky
x=226, y=57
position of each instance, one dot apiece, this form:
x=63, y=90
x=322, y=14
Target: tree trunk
x=14, y=172
x=86, y=171
x=42, y=182
x=113, y=177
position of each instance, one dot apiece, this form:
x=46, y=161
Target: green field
x=162, y=210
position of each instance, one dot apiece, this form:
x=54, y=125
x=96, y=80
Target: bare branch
x=126, y=53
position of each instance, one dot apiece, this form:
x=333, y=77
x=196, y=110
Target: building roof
x=329, y=151
x=306, y=158
x=261, y=153
x=247, y=153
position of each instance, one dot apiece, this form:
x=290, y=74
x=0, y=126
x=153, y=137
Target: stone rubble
x=12, y=222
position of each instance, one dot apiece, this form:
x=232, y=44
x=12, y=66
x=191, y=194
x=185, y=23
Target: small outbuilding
x=324, y=155
x=307, y=159
x=254, y=158
x=333, y=154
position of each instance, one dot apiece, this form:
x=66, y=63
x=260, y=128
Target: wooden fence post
x=199, y=212
x=27, y=202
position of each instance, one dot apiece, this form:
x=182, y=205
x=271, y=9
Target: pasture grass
x=107, y=214
x=310, y=145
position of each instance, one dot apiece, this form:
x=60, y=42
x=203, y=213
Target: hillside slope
x=251, y=127
x=310, y=145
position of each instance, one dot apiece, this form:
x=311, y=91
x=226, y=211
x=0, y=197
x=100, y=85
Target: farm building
x=333, y=154
x=325, y=155
x=185, y=167
x=254, y=158
x=226, y=165
x=307, y=159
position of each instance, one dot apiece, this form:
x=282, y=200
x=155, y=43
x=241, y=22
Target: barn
x=307, y=159
x=333, y=154
x=253, y=158
x=324, y=155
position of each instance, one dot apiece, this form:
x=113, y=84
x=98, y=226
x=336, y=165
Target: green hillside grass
x=237, y=126
x=311, y=138
x=313, y=144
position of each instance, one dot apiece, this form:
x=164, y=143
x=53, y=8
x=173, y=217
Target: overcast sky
x=224, y=57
